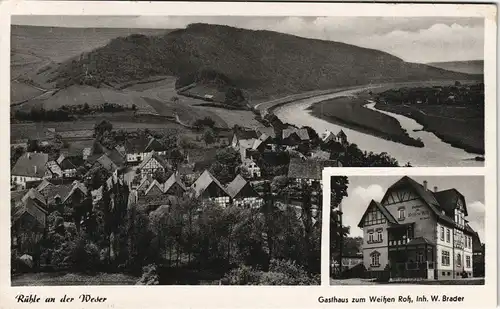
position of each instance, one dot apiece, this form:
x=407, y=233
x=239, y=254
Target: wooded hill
x=263, y=63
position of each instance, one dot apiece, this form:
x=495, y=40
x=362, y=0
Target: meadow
x=350, y=112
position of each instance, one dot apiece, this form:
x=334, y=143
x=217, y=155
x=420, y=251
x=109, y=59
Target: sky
x=414, y=39
x=362, y=189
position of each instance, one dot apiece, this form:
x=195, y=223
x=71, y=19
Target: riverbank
x=350, y=112
x=458, y=129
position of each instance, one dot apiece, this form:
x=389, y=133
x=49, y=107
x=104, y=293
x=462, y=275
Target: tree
x=209, y=136
x=234, y=96
x=15, y=154
x=33, y=145
x=97, y=178
x=225, y=166
x=160, y=176
x=103, y=126
x=337, y=230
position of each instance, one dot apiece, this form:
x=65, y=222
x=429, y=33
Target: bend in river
x=434, y=153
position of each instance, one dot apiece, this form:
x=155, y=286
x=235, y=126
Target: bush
x=243, y=275
x=149, y=276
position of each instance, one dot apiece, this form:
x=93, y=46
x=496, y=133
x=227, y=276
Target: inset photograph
x=407, y=230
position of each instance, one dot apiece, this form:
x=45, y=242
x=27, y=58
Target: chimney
x=35, y=168
x=425, y=185
x=28, y=155
x=435, y=189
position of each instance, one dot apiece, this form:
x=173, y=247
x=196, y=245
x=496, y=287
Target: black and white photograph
x=189, y=150
x=407, y=230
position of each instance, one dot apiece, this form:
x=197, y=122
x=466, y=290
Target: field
x=65, y=279
x=23, y=131
x=20, y=92
x=459, y=126
x=350, y=112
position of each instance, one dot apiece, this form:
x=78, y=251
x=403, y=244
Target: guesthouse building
x=417, y=233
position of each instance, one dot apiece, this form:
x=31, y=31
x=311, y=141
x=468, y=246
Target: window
x=447, y=235
x=401, y=213
x=459, y=260
x=445, y=258
x=370, y=237
x=379, y=235
x=420, y=256
x=374, y=217
x=467, y=261
x=442, y=233
x=375, y=259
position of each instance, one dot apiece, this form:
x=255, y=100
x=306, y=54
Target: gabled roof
x=173, y=179
x=154, y=184
x=380, y=208
x=135, y=145
x=448, y=200
x=308, y=169
x=424, y=194
x=235, y=186
x=31, y=164
x=45, y=183
x=76, y=186
x=267, y=131
x=54, y=168
x=245, y=134
x=55, y=191
x=106, y=163
x=34, y=195
x=155, y=156
x=142, y=144
x=31, y=208
x=205, y=180
x=145, y=182
x=301, y=133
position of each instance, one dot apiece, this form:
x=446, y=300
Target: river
x=434, y=153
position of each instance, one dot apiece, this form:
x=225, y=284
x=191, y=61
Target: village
x=79, y=185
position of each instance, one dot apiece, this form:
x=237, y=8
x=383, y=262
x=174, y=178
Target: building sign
x=419, y=211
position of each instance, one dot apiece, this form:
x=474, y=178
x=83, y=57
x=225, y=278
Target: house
x=417, y=233
x=54, y=194
x=137, y=148
x=54, y=169
x=242, y=135
x=31, y=166
x=243, y=194
x=328, y=136
x=81, y=149
x=28, y=226
x=69, y=165
x=174, y=185
x=155, y=188
x=209, y=189
x=153, y=163
x=252, y=168
x=267, y=136
x=342, y=138
x=293, y=137
x=308, y=171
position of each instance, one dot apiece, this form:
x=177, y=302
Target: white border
x=257, y=296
